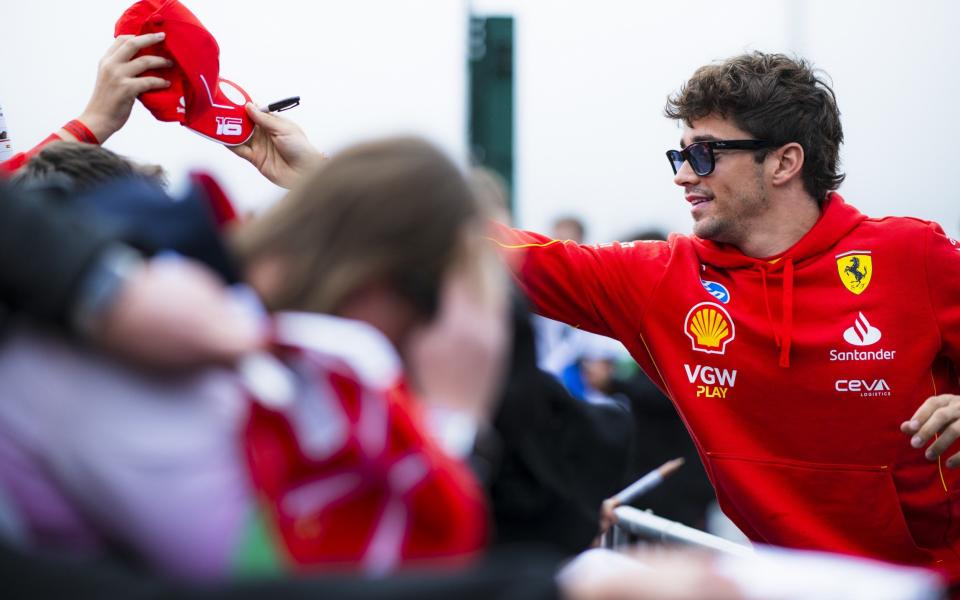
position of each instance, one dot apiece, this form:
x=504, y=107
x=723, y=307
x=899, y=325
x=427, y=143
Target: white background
x=363, y=68
x=591, y=80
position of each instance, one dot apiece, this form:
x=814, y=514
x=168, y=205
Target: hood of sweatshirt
x=837, y=218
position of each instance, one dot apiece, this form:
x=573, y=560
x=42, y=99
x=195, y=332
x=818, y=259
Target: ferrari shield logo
x=856, y=270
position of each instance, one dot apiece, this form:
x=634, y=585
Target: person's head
x=649, y=234
x=780, y=101
x=370, y=234
x=569, y=228
x=81, y=167
x=598, y=358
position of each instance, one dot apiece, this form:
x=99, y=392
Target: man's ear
x=788, y=163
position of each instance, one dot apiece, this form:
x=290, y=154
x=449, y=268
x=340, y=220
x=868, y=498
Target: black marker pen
x=282, y=105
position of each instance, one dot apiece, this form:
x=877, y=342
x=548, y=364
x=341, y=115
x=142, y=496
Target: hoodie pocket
x=853, y=509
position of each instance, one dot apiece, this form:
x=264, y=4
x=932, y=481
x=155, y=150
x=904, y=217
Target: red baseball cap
x=195, y=98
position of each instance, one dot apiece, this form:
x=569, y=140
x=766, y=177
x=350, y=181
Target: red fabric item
x=351, y=482
x=15, y=162
x=794, y=373
x=80, y=131
x=220, y=204
x=194, y=98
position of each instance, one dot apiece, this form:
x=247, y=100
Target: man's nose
x=685, y=175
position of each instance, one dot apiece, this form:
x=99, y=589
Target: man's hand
x=173, y=314
x=119, y=82
x=278, y=148
x=661, y=573
x=607, y=517
x=938, y=415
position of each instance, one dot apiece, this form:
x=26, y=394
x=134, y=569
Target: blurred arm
x=64, y=270
x=44, y=254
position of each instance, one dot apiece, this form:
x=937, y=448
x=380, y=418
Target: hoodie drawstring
x=766, y=301
x=786, y=325
x=787, y=313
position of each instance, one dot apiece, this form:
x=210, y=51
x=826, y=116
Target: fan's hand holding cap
x=194, y=98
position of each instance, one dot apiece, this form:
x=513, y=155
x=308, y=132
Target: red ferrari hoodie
x=794, y=373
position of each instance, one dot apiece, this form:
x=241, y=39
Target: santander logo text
x=862, y=334
x=711, y=382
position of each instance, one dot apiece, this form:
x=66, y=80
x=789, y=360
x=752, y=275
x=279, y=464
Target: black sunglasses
x=700, y=154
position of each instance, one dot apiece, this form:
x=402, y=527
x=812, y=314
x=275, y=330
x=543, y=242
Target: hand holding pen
x=278, y=148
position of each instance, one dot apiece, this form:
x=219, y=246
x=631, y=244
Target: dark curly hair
x=775, y=98
x=83, y=166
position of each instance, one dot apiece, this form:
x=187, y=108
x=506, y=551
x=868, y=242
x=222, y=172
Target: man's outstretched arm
x=598, y=288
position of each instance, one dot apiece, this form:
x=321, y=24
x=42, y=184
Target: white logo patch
x=862, y=333
x=866, y=388
x=229, y=126
x=711, y=382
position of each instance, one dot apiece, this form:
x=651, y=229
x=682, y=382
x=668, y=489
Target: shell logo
x=709, y=328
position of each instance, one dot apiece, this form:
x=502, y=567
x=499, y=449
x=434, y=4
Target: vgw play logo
x=711, y=382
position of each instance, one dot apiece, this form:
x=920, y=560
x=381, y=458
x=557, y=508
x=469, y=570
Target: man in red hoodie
x=795, y=335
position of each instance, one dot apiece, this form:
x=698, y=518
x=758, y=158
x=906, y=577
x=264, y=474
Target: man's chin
x=705, y=229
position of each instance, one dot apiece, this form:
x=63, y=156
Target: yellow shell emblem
x=856, y=270
x=709, y=328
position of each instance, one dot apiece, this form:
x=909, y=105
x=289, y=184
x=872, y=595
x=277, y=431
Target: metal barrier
x=633, y=524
